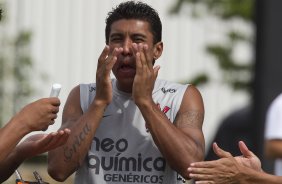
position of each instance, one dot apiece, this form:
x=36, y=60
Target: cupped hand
x=40, y=143
x=146, y=74
x=106, y=62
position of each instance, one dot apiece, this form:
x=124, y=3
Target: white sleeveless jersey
x=123, y=150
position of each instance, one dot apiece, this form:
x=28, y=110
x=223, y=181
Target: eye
x=116, y=39
x=138, y=39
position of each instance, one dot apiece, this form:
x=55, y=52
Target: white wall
x=68, y=36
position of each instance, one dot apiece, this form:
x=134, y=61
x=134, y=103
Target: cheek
x=112, y=46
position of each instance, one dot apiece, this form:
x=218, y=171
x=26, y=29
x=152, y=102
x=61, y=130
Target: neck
x=125, y=87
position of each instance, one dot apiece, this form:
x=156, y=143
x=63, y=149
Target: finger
x=245, y=150
x=138, y=63
x=36, y=137
x=45, y=140
x=55, y=101
x=204, y=164
x=142, y=55
x=62, y=139
x=134, y=48
x=52, y=117
x=204, y=182
x=52, y=122
x=58, y=139
x=50, y=142
x=137, y=54
x=220, y=152
x=147, y=56
x=201, y=170
x=103, y=56
x=67, y=131
x=202, y=177
x=45, y=128
x=111, y=60
x=55, y=109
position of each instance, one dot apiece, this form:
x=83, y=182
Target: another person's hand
x=39, y=114
x=228, y=169
x=248, y=158
x=41, y=143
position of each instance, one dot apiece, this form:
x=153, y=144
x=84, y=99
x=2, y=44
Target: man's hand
x=106, y=62
x=39, y=114
x=228, y=169
x=40, y=143
x=146, y=74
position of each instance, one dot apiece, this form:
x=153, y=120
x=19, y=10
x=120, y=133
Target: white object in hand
x=56, y=88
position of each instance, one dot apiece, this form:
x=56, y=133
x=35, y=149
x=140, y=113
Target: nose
x=127, y=47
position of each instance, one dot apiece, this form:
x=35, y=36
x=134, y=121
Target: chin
x=125, y=84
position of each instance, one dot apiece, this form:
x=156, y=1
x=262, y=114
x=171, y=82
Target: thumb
x=245, y=150
x=220, y=152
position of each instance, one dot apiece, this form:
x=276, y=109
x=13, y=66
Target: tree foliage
x=235, y=74
x=16, y=70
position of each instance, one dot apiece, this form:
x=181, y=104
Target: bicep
x=72, y=109
x=191, y=111
x=190, y=116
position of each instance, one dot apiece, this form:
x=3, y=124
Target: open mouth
x=127, y=70
x=127, y=67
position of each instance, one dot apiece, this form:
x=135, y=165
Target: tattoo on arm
x=192, y=118
x=78, y=139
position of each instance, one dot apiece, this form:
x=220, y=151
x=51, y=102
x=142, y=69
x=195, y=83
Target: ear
x=158, y=50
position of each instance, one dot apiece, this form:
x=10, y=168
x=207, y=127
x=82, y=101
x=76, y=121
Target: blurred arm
x=32, y=146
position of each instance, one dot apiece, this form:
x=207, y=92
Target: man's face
x=123, y=34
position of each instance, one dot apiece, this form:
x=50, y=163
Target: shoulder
x=192, y=93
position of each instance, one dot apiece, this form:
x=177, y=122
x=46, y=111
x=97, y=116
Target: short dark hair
x=135, y=10
x=0, y=14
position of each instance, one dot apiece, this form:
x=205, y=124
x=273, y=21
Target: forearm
x=10, y=135
x=10, y=164
x=63, y=161
x=178, y=148
x=273, y=148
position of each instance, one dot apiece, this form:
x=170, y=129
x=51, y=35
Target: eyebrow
x=133, y=35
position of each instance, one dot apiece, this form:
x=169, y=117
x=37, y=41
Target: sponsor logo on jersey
x=170, y=90
x=126, y=169
x=91, y=89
